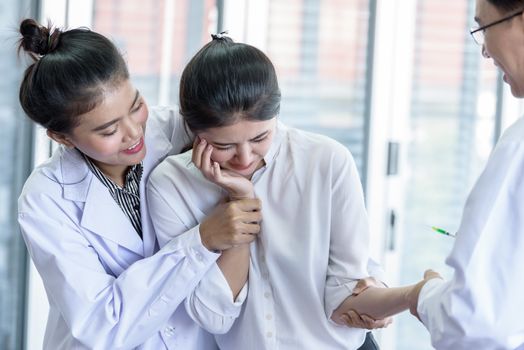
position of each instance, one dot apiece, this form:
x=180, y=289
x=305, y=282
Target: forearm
x=377, y=303
x=234, y=264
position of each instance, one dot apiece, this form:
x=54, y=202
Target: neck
x=117, y=173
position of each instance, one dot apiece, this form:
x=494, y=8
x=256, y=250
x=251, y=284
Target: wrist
x=239, y=196
x=413, y=297
x=204, y=237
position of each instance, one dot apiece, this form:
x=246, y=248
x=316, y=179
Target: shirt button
x=199, y=256
x=267, y=295
x=169, y=331
x=268, y=317
x=269, y=334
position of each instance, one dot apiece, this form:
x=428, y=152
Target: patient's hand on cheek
x=236, y=185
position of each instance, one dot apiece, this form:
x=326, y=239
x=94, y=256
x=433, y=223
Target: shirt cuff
x=336, y=294
x=429, y=298
x=191, y=242
x=216, y=295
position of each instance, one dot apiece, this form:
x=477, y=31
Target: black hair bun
x=36, y=39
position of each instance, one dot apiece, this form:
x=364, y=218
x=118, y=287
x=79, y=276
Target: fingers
x=344, y=320
x=201, y=156
x=216, y=172
x=353, y=319
x=361, y=286
x=244, y=239
x=364, y=284
x=198, y=148
x=375, y=324
x=251, y=228
x=205, y=165
x=429, y=274
x=247, y=204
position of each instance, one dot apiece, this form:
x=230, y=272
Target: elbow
x=218, y=325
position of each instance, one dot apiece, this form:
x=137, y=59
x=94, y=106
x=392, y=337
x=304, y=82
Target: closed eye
x=110, y=132
x=260, y=139
x=138, y=107
x=223, y=148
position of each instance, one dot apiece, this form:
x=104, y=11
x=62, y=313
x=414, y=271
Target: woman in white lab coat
x=83, y=213
x=481, y=306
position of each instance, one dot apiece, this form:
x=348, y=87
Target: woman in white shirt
x=83, y=213
x=313, y=246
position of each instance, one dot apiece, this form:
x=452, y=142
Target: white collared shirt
x=312, y=248
x=481, y=306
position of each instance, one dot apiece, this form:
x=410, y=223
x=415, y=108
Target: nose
x=133, y=129
x=243, y=155
x=485, y=53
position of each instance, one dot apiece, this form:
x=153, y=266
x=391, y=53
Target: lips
x=136, y=147
x=240, y=167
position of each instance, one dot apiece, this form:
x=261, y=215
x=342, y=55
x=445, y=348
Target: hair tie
x=219, y=36
x=52, y=41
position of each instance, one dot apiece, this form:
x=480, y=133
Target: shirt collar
x=280, y=130
x=134, y=173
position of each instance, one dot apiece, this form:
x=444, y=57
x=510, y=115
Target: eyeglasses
x=478, y=32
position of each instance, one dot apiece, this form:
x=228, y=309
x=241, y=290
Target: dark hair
x=70, y=71
x=227, y=81
x=507, y=5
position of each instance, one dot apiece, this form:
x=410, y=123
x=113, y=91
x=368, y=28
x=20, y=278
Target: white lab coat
x=481, y=307
x=106, y=287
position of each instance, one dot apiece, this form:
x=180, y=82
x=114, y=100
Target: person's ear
x=61, y=138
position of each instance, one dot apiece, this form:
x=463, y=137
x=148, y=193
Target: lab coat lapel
x=158, y=147
x=103, y=216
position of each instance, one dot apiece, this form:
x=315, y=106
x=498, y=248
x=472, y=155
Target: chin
x=517, y=92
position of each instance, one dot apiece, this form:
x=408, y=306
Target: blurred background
x=399, y=82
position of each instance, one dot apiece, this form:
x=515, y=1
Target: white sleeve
x=349, y=243
x=103, y=311
x=211, y=304
x=481, y=306
x=173, y=126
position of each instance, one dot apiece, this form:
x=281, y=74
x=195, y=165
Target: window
x=320, y=51
x=15, y=156
x=454, y=94
x=157, y=39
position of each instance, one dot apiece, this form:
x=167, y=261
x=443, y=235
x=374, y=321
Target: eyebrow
x=111, y=122
x=259, y=136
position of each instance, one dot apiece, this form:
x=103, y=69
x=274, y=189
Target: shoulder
x=174, y=170
x=163, y=116
x=318, y=148
x=508, y=153
x=45, y=180
x=514, y=133
x=176, y=180
x=165, y=122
